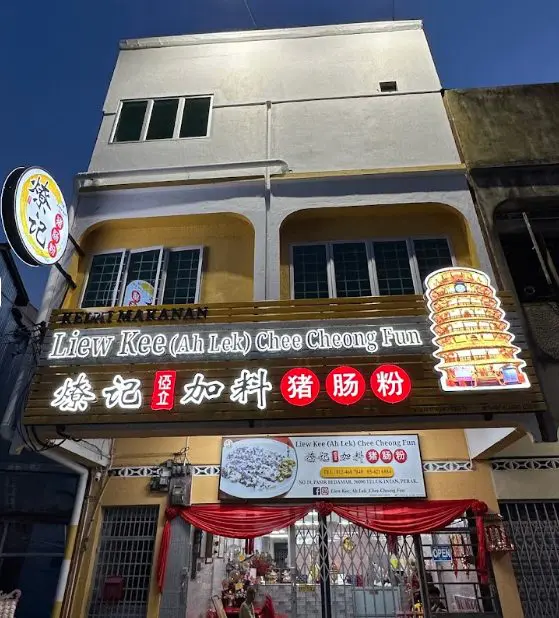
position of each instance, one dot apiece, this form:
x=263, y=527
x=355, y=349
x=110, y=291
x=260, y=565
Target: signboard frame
x=420, y=473
x=13, y=205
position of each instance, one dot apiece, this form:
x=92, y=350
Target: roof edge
x=262, y=35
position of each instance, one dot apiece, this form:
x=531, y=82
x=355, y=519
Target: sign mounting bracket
x=66, y=276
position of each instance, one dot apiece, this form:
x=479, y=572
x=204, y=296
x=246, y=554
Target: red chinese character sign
x=34, y=216
x=391, y=383
x=345, y=385
x=163, y=395
x=300, y=386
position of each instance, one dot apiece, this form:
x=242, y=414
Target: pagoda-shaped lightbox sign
x=472, y=337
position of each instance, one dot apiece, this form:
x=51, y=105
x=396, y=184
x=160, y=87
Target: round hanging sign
x=34, y=216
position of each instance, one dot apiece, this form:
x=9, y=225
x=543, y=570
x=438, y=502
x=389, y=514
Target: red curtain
x=392, y=518
x=405, y=517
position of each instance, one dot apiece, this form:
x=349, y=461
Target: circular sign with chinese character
x=34, y=216
x=391, y=383
x=300, y=386
x=345, y=385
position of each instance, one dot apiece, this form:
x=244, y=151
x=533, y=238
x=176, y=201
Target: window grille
x=126, y=549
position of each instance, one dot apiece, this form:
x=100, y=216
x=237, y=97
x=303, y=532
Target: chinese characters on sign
x=124, y=393
x=391, y=383
x=73, y=395
x=327, y=467
x=35, y=216
x=200, y=390
x=77, y=395
x=345, y=385
x=298, y=386
x=163, y=395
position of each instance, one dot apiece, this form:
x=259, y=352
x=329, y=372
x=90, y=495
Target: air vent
x=388, y=86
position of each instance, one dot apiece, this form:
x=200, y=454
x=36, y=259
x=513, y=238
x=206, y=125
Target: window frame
x=178, y=119
x=131, y=252
x=329, y=268
x=163, y=280
x=371, y=263
x=161, y=273
x=123, y=253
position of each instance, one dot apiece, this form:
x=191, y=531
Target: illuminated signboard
x=374, y=466
x=299, y=387
x=155, y=344
x=472, y=338
x=149, y=370
x=34, y=216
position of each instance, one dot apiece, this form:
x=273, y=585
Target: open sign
x=441, y=553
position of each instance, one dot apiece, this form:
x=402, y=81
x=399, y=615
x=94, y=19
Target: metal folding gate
x=364, y=574
x=534, y=530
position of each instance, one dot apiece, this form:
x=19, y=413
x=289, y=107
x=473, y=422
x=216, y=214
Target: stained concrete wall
x=506, y=126
x=508, y=138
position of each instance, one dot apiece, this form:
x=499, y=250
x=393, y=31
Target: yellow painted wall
x=228, y=242
x=368, y=222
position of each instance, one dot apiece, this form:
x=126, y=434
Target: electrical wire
x=250, y=13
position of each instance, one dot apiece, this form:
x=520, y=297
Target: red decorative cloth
x=402, y=518
x=391, y=518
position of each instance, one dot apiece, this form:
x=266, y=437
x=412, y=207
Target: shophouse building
x=259, y=220
x=508, y=139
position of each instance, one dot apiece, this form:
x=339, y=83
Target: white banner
x=331, y=467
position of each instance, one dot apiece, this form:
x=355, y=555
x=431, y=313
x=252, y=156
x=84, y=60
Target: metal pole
x=324, y=561
x=537, y=249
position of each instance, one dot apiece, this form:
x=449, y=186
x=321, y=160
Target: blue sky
x=56, y=58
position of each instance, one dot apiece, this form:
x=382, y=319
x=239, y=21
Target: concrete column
x=273, y=270
x=259, y=223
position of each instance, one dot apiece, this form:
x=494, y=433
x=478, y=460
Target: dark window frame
x=179, y=118
x=373, y=273
x=118, y=291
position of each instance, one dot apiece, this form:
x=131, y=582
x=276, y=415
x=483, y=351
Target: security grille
x=533, y=528
x=370, y=574
x=125, y=550
x=366, y=575
x=450, y=575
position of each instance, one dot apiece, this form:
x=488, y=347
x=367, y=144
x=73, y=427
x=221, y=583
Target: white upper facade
x=311, y=97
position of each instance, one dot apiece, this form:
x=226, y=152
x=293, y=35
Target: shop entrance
x=337, y=569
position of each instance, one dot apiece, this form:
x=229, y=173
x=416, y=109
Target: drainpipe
x=267, y=194
x=72, y=528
